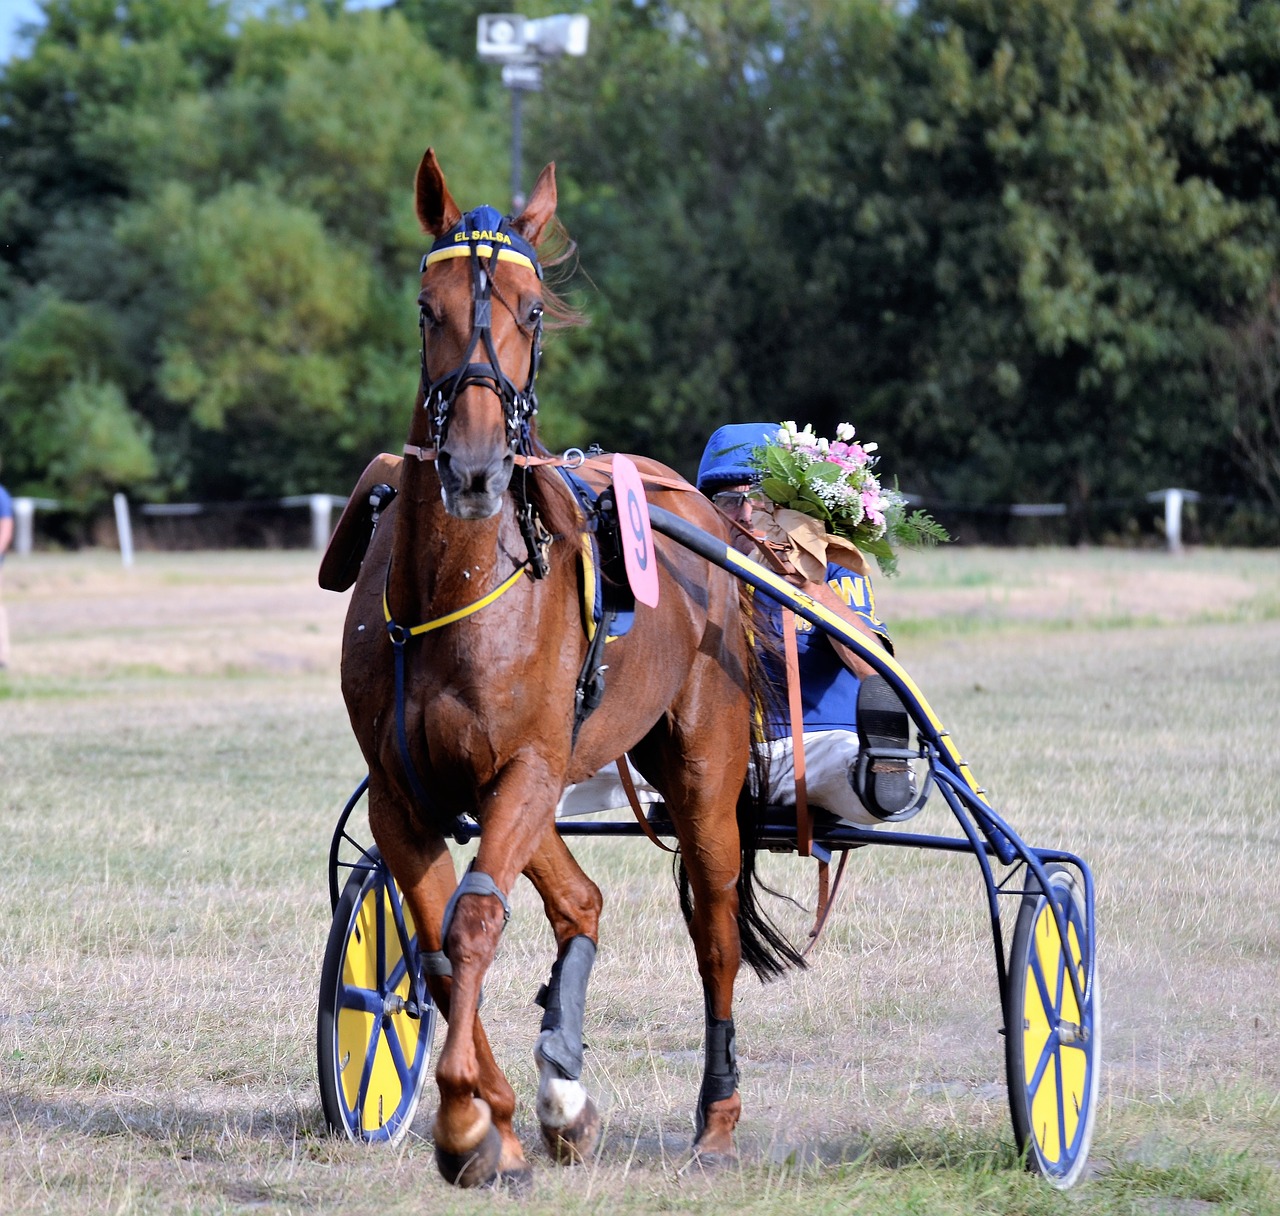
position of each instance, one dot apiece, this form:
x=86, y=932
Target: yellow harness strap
x=458, y=615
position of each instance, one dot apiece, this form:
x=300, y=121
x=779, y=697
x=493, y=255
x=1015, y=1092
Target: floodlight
x=500, y=37
x=563, y=34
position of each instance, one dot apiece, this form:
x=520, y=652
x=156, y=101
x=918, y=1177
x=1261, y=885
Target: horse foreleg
x=469, y=1148
x=492, y=1085
x=426, y=878
x=568, y=1117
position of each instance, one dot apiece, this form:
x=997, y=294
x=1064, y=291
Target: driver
x=839, y=693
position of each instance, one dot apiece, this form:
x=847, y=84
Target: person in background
x=6, y=539
x=835, y=697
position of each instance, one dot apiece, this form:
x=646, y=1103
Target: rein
x=597, y=464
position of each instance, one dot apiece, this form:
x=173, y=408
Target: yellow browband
x=485, y=251
x=450, y=617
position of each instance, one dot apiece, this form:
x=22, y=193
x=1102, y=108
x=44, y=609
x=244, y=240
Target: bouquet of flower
x=833, y=482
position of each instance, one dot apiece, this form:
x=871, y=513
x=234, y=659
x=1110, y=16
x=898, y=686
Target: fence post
x=124, y=528
x=24, y=513
x=1173, y=500
x=321, y=521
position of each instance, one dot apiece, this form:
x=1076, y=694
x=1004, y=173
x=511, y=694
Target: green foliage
x=1012, y=238
x=101, y=446
x=65, y=425
x=1068, y=276
x=230, y=210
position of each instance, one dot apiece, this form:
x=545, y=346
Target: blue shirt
x=828, y=689
x=6, y=512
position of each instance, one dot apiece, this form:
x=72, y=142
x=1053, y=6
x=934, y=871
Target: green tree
x=686, y=141
x=237, y=201
x=99, y=444
x=65, y=426
x=1065, y=274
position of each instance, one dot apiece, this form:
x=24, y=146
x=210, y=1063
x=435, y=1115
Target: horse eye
x=428, y=314
x=535, y=312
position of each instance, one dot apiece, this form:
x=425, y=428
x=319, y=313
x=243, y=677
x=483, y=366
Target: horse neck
x=439, y=563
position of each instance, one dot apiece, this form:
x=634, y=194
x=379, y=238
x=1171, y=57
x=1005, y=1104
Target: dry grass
x=173, y=751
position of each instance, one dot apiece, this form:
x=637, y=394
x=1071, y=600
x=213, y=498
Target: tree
x=1248, y=371
x=1067, y=275
x=685, y=139
x=233, y=206
x=65, y=427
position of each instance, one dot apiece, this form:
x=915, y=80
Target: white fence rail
x=322, y=507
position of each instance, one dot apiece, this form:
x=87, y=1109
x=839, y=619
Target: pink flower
x=873, y=507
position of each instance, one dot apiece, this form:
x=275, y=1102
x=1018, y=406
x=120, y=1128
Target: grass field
x=174, y=751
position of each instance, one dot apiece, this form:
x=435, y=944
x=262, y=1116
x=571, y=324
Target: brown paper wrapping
x=806, y=543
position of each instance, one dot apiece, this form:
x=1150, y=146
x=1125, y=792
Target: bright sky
x=14, y=11
x=11, y=13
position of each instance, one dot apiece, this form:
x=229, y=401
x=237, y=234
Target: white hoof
x=560, y=1102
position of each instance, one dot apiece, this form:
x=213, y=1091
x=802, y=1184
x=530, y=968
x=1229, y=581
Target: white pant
x=828, y=764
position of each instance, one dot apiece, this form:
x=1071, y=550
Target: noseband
x=483, y=234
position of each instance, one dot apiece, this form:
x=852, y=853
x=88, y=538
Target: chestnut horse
x=470, y=708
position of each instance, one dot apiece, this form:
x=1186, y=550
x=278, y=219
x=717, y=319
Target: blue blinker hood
x=488, y=232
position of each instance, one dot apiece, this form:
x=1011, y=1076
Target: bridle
x=478, y=235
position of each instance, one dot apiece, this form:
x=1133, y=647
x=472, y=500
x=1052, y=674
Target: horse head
x=480, y=312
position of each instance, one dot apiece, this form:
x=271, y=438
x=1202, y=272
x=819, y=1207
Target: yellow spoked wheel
x=373, y=1039
x=1053, y=1042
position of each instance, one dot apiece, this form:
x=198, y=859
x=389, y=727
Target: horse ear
x=437, y=212
x=540, y=208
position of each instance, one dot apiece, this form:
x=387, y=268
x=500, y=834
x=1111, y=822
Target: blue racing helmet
x=726, y=460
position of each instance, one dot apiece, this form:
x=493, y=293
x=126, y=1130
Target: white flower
x=870, y=447
x=844, y=432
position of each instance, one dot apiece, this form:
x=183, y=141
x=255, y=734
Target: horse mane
x=556, y=249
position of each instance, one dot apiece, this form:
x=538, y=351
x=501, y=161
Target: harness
x=484, y=238
x=400, y=635
x=482, y=233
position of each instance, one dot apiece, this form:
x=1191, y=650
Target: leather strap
x=600, y=464
x=804, y=824
x=827, y=894
x=474, y=882
x=629, y=786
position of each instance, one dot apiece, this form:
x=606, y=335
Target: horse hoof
x=478, y=1167
x=708, y=1161
x=575, y=1142
x=516, y=1183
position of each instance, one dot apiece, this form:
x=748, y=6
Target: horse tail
x=765, y=948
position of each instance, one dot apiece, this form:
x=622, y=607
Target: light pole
x=522, y=45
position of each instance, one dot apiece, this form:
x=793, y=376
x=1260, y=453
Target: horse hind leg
x=569, y=1119
x=719, y=1104
x=703, y=801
